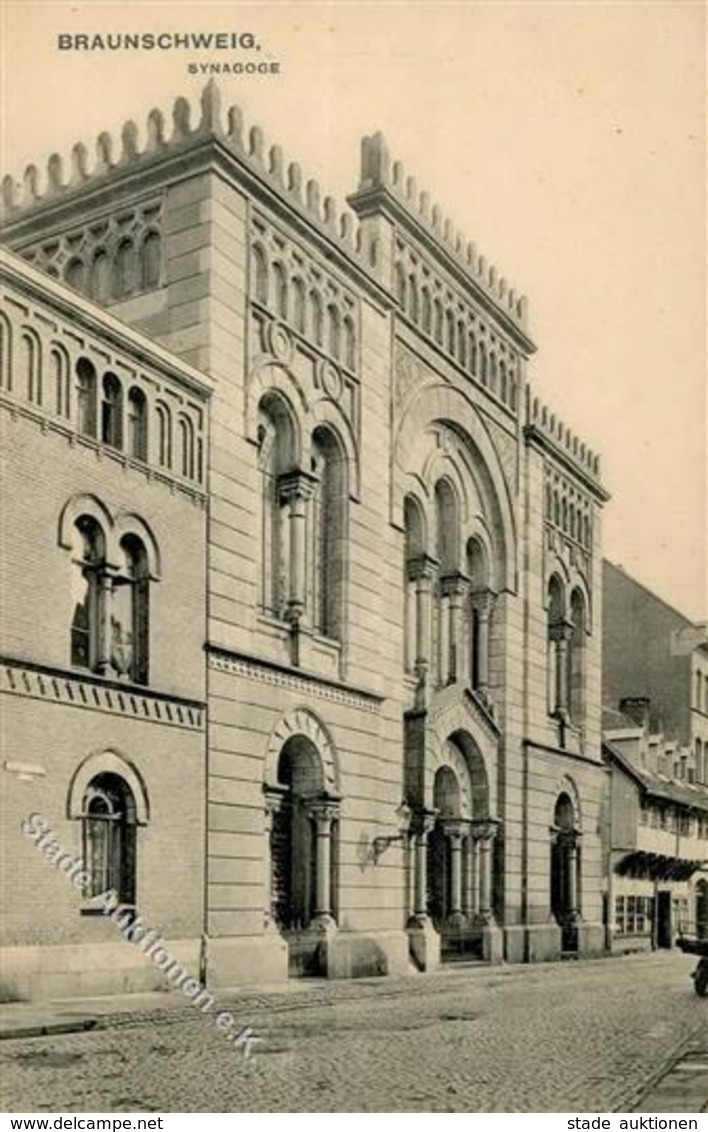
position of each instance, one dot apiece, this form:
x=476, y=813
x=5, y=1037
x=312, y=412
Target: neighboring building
x=103, y=623
x=651, y=650
x=393, y=614
x=658, y=845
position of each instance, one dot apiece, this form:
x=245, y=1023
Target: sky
x=567, y=141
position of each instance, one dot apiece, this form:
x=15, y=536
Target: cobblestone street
x=584, y=1036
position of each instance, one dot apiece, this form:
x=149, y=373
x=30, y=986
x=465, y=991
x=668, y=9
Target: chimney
x=637, y=708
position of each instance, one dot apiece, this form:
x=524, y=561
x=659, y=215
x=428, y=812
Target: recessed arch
x=107, y=761
x=445, y=404
x=128, y=523
x=271, y=380
x=565, y=788
x=77, y=506
x=302, y=722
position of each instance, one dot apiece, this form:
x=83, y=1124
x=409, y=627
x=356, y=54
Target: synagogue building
x=301, y=639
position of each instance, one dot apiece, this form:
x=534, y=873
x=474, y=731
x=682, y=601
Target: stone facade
x=391, y=606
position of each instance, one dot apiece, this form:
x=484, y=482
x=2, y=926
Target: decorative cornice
x=211, y=144
x=384, y=187
x=93, y=693
x=307, y=683
x=552, y=436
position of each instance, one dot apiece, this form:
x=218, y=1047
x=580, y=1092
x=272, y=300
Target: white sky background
x=566, y=140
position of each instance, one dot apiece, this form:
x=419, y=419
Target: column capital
x=297, y=485
x=273, y=798
x=484, y=829
x=422, y=568
x=454, y=828
x=454, y=584
x=423, y=821
x=483, y=601
x=324, y=809
x=561, y=630
x=567, y=838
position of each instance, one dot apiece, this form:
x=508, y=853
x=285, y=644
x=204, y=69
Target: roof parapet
x=378, y=171
x=540, y=417
x=267, y=162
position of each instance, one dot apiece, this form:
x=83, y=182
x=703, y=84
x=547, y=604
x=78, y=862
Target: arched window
x=328, y=533
x=112, y=411
x=108, y=835
x=461, y=344
x=316, y=318
x=129, y=645
x=299, y=305
x=576, y=659
x=349, y=343
x=31, y=365
x=5, y=353
x=512, y=393
x=426, y=312
x=400, y=284
x=438, y=322
x=450, y=324
x=447, y=552
x=137, y=424
x=88, y=594
x=164, y=435
x=85, y=397
x=412, y=299
x=150, y=261
x=59, y=371
x=74, y=274
x=481, y=602
x=276, y=457
x=472, y=355
x=556, y=627
x=483, y=362
x=447, y=526
x=503, y=389
x=333, y=330
x=260, y=274
x=124, y=269
x=492, y=371
x=186, y=446
x=413, y=568
x=280, y=280
x=100, y=286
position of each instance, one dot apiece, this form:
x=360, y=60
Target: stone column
x=324, y=812
x=484, y=832
x=568, y=841
x=470, y=896
x=453, y=588
x=273, y=803
x=482, y=605
x=422, y=570
x=103, y=590
x=296, y=488
x=454, y=832
x=423, y=824
x=560, y=633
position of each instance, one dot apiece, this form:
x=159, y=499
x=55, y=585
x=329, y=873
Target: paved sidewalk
x=73, y=1015
x=685, y=1087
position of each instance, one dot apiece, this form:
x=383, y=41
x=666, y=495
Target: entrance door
x=663, y=919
